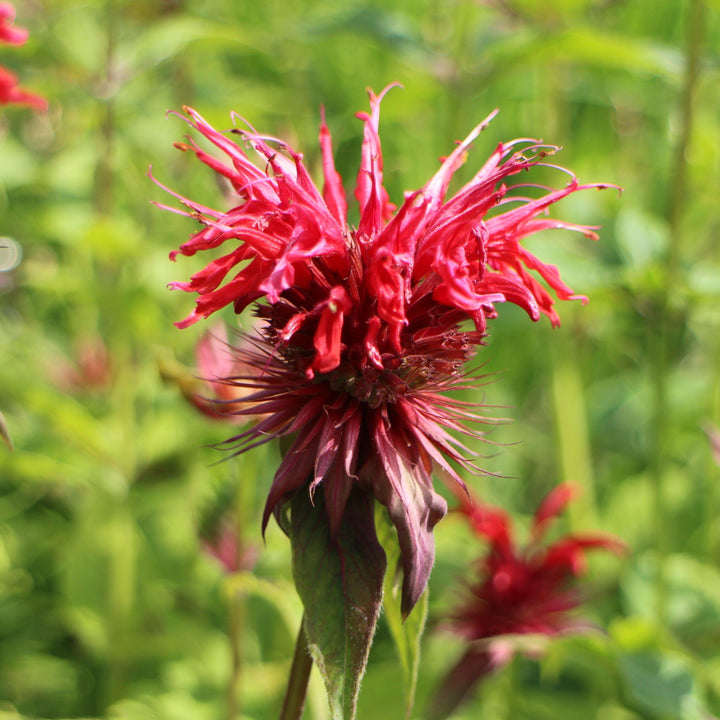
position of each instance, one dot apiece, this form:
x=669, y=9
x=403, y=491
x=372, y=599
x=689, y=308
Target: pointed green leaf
x=406, y=635
x=340, y=582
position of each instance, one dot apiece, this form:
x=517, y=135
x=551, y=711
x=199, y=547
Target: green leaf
x=406, y=635
x=661, y=684
x=169, y=38
x=340, y=583
x=275, y=593
x=585, y=47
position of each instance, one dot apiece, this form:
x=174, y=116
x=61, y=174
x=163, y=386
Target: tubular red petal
x=375, y=206
x=553, y=504
x=8, y=34
x=333, y=191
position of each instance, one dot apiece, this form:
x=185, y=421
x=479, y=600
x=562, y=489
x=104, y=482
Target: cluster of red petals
x=10, y=91
x=526, y=589
x=286, y=234
x=521, y=591
x=366, y=327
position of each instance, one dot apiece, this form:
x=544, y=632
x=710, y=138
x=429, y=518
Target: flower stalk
x=665, y=335
x=300, y=668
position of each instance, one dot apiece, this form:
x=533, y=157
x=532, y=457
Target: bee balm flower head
x=366, y=327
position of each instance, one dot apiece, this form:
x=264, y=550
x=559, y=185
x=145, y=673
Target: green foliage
x=109, y=607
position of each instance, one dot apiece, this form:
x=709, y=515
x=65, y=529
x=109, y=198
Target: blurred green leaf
x=662, y=685
x=165, y=40
x=693, y=594
x=279, y=595
x=642, y=237
x=586, y=47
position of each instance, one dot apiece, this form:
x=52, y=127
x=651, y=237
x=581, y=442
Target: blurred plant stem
x=104, y=172
x=121, y=581
x=236, y=612
x=570, y=409
x=5, y=433
x=664, y=336
x=244, y=507
x=122, y=560
x=712, y=485
x=573, y=435
x=296, y=691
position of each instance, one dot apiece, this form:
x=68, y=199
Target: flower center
x=368, y=385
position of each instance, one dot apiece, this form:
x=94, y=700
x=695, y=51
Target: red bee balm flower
x=10, y=91
x=365, y=325
x=8, y=34
x=520, y=591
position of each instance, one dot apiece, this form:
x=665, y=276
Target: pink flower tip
x=8, y=34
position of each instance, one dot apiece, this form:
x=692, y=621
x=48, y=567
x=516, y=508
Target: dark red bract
x=366, y=328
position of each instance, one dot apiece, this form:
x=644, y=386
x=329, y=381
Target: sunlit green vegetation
x=109, y=607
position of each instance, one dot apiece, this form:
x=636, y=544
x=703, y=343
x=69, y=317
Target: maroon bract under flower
x=10, y=91
x=366, y=326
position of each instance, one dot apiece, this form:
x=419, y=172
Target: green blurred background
x=109, y=606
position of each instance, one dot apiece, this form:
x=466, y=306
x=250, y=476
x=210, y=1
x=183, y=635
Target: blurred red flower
x=713, y=436
x=365, y=328
x=520, y=591
x=210, y=387
x=8, y=34
x=218, y=363
x=224, y=545
x=10, y=91
x=88, y=370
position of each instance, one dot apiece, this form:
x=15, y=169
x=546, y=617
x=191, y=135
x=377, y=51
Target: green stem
x=237, y=606
x=298, y=681
x=696, y=15
x=573, y=435
x=237, y=624
x=667, y=334
x=105, y=170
